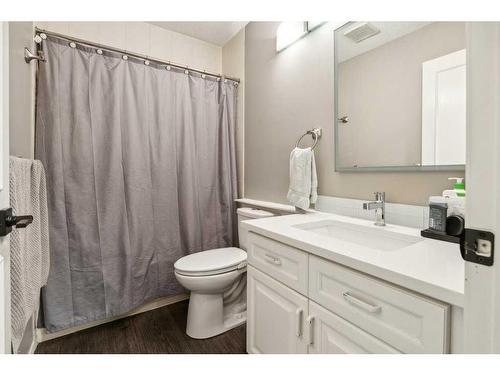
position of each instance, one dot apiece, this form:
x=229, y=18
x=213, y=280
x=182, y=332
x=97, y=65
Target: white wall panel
x=112, y=34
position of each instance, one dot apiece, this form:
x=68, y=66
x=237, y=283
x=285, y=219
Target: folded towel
x=303, y=180
x=29, y=247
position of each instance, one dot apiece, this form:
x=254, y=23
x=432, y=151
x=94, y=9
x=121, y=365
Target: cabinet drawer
x=407, y=321
x=331, y=334
x=283, y=262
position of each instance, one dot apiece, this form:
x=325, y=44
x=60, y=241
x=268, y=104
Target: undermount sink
x=377, y=238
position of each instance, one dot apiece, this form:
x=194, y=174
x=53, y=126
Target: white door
x=276, y=316
x=328, y=333
x=443, y=109
x=4, y=188
x=482, y=283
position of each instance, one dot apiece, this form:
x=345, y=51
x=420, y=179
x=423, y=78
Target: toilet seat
x=212, y=262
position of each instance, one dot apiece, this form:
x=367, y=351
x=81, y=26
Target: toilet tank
x=247, y=213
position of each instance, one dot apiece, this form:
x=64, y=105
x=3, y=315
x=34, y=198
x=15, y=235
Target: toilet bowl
x=217, y=282
x=209, y=275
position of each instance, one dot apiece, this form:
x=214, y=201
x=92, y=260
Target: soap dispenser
x=458, y=188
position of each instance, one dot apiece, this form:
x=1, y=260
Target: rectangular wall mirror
x=400, y=96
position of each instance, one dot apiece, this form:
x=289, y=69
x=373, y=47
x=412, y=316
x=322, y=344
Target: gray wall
x=233, y=65
x=291, y=91
x=381, y=92
x=22, y=90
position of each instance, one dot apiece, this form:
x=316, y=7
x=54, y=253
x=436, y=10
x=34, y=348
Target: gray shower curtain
x=140, y=164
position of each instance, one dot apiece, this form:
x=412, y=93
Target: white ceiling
x=218, y=33
x=347, y=49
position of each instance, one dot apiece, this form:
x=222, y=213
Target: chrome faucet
x=379, y=206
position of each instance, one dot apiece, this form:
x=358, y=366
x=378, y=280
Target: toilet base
x=206, y=316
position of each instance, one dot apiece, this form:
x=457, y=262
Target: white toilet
x=217, y=281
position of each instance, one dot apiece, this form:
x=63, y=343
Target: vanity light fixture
x=289, y=32
x=311, y=25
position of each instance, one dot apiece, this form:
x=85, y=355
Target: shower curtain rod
x=131, y=54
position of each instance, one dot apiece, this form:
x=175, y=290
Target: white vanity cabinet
x=301, y=303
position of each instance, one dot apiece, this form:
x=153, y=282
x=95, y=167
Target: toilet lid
x=212, y=262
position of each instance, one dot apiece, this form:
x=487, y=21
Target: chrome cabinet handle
x=272, y=259
x=310, y=323
x=299, y=322
x=362, y=304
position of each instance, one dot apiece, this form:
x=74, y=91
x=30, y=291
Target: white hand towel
x=303, y=179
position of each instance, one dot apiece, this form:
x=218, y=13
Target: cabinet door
x=275, y=316
x=328, y=333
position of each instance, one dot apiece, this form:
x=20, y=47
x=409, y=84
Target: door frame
x=482, y=283
x=430, y=107
x=5, y=345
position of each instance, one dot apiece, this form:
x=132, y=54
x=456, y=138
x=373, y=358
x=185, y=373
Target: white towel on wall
x=29, y=247
x=303, y=179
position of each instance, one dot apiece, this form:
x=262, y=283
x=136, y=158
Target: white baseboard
x=42, y=334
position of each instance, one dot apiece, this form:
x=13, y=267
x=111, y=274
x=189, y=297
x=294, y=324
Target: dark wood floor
x=154, y=332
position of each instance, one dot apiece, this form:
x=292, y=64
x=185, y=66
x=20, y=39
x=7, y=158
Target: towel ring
x=316, y=135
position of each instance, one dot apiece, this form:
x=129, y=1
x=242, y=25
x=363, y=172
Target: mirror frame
x=402, y=168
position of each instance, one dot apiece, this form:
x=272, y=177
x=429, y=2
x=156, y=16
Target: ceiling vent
x=361, y=31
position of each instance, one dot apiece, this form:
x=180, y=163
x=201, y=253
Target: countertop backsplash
x=395, y=213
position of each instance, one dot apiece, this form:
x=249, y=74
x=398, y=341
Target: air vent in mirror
x=361, y=31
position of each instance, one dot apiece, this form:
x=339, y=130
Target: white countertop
x=430, y=267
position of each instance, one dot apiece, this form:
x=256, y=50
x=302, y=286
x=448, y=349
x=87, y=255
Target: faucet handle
x=379, y=196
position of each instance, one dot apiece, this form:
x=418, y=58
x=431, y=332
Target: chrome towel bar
x=315, y=133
